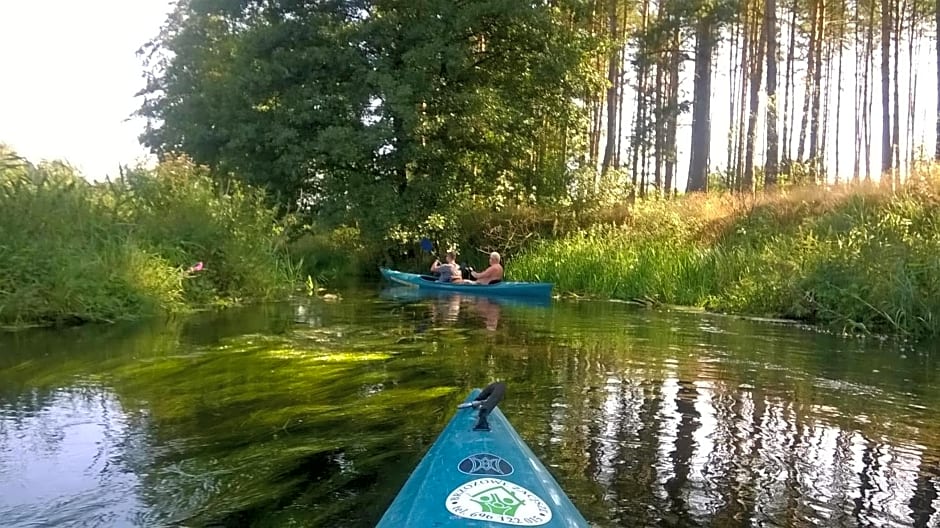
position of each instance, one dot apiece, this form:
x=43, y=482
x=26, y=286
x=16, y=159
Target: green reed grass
x=327, y=255
x=856, y=259
x=73, y=251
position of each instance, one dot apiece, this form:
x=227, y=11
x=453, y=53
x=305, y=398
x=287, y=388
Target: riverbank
x=858, y=259
x=72, y=251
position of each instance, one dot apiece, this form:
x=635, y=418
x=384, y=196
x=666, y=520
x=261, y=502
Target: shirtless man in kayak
x=490, y=274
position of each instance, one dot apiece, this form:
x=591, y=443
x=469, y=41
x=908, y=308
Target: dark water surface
x=314, y=413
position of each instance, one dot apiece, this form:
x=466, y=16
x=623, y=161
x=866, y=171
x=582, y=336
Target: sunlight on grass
x=858, y=259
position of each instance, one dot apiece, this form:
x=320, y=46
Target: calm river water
x=313, y=413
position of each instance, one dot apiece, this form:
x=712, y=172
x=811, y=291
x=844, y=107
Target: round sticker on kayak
x=496, y=500
x=485, y=464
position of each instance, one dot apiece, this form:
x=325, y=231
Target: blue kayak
x=508, y=289
x=405, y=294
x=480, y=474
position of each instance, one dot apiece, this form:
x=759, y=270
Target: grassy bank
x=853, y=259
x=73, y=251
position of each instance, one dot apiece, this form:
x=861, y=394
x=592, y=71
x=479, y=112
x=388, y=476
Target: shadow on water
x=313, y=413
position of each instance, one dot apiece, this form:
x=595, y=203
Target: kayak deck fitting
x=480, y=473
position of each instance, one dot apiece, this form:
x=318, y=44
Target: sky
x=70, y=73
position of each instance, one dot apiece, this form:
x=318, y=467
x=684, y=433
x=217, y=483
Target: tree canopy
x=390, y=114
x=376, y=112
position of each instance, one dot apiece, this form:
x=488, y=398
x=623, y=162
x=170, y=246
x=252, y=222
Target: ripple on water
x=646, y=419
x=60, y=460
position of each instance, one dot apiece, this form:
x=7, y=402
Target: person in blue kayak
x=494, y=273
x=449, y=270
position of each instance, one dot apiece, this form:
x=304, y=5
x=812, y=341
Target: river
x=314, y=412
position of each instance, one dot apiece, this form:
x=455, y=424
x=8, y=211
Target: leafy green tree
x=379, y=112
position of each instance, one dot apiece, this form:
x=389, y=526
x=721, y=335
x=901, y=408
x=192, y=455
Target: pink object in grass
x=197, y=267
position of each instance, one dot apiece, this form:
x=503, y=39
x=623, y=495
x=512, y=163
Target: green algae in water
x=260, y=419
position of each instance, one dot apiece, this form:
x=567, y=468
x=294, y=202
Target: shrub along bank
x=75, y=251
x=858, y=259
x=855, y=258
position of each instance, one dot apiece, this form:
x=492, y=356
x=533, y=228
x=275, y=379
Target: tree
x=701, y=105
x=937, y=27
x=376, y=112
x=756, y=71
x=886, y=151
x=770, y=32
x=613, y=89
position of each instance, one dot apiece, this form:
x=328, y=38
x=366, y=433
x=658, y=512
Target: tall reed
x=856, y=259
x=73, y=251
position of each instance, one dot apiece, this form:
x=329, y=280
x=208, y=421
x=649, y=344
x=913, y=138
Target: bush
x=75, y=251
x=327, y=255
x=179, y=210
x=856, y=258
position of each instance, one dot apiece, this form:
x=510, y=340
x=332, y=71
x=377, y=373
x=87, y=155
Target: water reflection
x=445, y=307
x=314, y=413
x=68, y=456
x=722, y=457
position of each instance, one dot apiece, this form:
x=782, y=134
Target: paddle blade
x=426, y=245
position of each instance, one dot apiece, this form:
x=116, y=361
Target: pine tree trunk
x=635, y=152
x=825, y=88
x=701, y=106
x=936, y=154
x=673, y=104
x=619, y=146
x=789, y=107
x=816, y=114
x=641, y=134
x=909, y=154
x=886, y=26
x=841, y=44
x=597, y=104
x=896, y=119
x=596, y=130
x=613, y=90
x=621, y=81
x=770, y=30
x=733, y=66
x=741, y=138
x=869, y=87
x=747, y=182
x=859, y=104
x=811, y=68
x=659, y=134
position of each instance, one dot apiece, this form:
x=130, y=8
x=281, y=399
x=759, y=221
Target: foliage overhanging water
x=314, y=414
